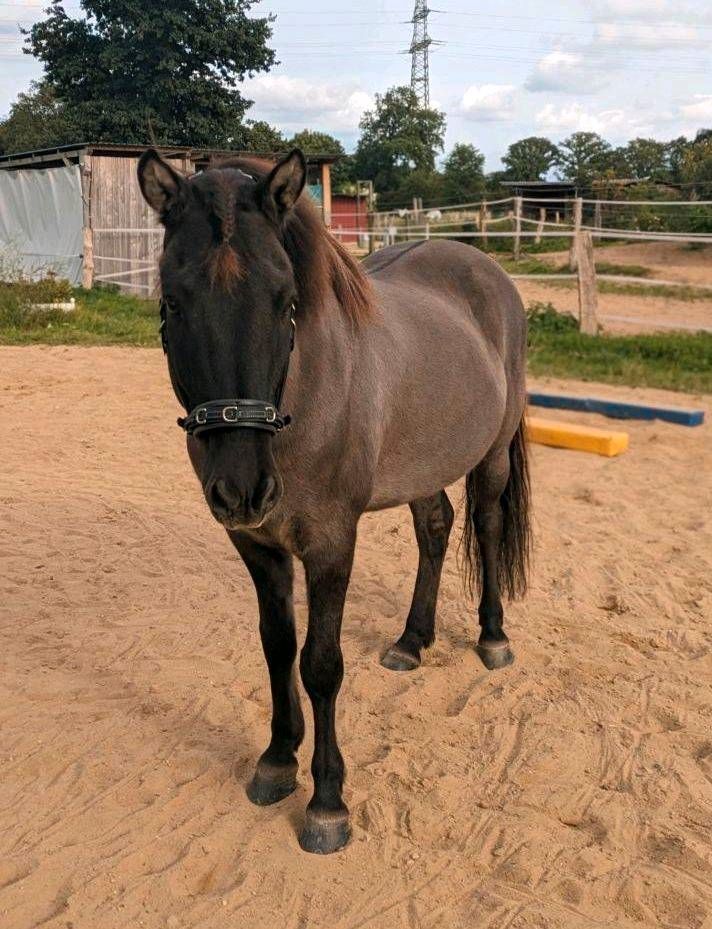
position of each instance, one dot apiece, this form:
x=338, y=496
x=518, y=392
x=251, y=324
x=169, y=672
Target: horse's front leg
x=271, y=570
x=327, y=573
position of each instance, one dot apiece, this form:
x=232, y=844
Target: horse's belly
x=438, y=435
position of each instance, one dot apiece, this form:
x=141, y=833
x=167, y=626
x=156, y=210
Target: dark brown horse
x=407, y=373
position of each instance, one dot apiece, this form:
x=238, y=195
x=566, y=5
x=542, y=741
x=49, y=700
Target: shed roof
x=75, y=152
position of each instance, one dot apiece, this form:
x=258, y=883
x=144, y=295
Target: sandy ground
x=667, y=261
x=572, y=790
x=628, y=313
x=625, y=313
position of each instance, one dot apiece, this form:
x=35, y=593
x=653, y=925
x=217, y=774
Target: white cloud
x=563, y=72
x=630, y=9
x=700, y=109
x=649, y=35
x=294, y=102
x=483, y=102
x=574, y=117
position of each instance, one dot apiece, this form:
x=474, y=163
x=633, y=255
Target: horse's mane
x=320, y=263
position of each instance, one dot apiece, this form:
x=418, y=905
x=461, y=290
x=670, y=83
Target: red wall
x=348, y=213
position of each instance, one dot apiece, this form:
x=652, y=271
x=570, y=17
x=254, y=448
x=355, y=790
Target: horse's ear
x=280, y=190
x=162, y=186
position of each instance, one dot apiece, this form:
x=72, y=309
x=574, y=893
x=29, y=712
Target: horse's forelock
x=320, y=263
x=223, y=263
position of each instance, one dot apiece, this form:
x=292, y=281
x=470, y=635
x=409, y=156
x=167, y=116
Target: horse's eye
x=171, y=304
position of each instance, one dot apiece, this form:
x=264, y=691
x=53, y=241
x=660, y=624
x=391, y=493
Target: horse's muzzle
x=238, y=507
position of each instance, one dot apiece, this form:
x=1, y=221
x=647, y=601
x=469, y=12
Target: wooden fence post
x=540, y=224
x=517, y=252
x=588, y=296
x=87, y=232
x=88, y=258
x=578, y=215
x=597, y=215
x=483, y=223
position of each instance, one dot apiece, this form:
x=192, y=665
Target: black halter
x=234, y=413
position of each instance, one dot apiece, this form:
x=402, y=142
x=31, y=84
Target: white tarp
x=41, y=220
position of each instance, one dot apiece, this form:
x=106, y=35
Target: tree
x=124, y=62
x=530, y=159
x=313, y=142
x=397, y=137
x=676, y=150
x=421, y=182
x=263, y=139
x=696, y=167
x=583, y=157
x=36, y=120
x=645, y=158
x=463, y=177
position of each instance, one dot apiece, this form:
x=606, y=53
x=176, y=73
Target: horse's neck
x=318, y=387
x=324, y=355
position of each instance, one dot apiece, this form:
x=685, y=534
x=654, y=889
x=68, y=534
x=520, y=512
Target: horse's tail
x=515, y=544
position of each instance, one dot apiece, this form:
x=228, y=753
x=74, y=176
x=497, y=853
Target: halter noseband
x=234, y=413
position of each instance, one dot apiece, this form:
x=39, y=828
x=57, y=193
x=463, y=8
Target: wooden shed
x=117, y=239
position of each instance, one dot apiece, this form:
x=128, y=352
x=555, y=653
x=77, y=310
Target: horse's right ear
x=162, y=186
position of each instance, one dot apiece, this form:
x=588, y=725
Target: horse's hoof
x=397, y=660
x=495, y=654
x=271, y=783
x=324, y=833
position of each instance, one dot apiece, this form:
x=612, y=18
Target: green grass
x=686, y=293
x=530, y=265
x=674, y=361
x=607, y=267
x=102, y=317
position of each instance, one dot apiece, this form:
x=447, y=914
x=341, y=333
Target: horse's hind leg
x=432, y=517
x=488, y=481
x=271, y=570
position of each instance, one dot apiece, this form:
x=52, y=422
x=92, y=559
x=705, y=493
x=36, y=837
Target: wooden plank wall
x=116, y=203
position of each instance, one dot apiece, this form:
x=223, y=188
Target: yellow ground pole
x=582, y=438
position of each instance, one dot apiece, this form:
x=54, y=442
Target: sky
x=623, y=68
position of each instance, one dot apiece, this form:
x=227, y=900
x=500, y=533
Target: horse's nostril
x=266, y=493
x=220, y=497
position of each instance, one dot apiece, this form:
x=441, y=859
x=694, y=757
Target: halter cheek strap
x=235, y=413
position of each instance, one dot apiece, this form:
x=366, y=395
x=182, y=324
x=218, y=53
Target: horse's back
x=447, y=272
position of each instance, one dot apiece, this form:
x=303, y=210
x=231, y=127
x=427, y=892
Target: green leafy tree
x=123, y=62
x=463, y=177
x=645, y=158
x=583, y=157
x=530, y=159
x=398, y=136
x=676, y=150
x=313, y=142
x=36, y=120
x=422, y=182
x=696, y=166
x=263, y=139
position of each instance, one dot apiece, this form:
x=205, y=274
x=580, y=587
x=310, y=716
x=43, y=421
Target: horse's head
x=229, y=287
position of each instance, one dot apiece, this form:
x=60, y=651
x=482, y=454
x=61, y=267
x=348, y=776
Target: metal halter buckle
x=201, y=419
x=270, y=414
x=230, y=418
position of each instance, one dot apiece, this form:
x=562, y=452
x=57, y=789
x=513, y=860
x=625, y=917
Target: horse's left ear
x=281, y=188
